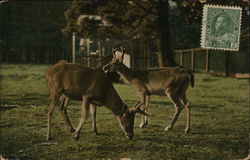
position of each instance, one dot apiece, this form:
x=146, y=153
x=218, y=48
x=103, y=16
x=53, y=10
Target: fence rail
x=207, y=60
x=197, y=59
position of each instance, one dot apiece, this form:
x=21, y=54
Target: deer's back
x=156, y=81
x=158, y=74
x=75, y=81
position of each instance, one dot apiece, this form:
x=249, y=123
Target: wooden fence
x=188, y=58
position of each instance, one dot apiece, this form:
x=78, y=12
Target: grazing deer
x=170, y=81
x=68, y=81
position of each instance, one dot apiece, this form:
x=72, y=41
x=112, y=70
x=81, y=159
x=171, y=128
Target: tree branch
x=150, y=10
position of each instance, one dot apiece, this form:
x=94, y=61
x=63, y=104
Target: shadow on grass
x=209, y=79
x=221, y=131
x=206, y=107
x=26, y=99
x=6, y=107
x=159, y=103
x=204, y=86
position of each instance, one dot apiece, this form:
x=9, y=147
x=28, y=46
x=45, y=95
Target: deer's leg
x=187, y=107
x=146, y=110
x=85, y=108
x=143, y=102
x=178, y=107
x=51, y=107
x=63, y=108
x=93, y=117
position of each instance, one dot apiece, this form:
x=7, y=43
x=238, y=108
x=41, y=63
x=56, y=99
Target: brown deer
x=69, y=81
x=167, y=81
x=115, y=77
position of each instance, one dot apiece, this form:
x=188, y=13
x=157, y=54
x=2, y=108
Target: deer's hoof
x=96, y=133
x=72, y=130
x=168, y=128
x=187, y=131
x=48, y=138
x=76, y=136
x=142, y=125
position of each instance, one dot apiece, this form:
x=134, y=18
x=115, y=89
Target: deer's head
x=116, y=63
x=128, y=117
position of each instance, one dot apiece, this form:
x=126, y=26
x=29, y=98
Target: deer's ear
x=122, y=50
x=113, y=51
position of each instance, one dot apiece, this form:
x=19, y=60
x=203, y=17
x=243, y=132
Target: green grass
x=219, y=122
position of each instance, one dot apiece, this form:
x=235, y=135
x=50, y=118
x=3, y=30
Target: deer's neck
x=126, y=73
x=115, y=103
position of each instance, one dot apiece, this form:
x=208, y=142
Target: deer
x=71, y=81
x=115, y=77
x=172, y=82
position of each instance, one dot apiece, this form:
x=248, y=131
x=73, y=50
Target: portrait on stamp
x=221, y=27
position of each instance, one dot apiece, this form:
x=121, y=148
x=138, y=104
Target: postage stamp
x=221, y=27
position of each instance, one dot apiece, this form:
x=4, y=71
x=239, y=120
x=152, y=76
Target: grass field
x=219, y=123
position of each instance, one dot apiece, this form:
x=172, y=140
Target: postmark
x=221, y=27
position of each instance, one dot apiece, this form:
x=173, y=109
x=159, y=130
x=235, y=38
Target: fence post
x=192, y=60
x=207, y=61
x=226, y=64
x=160, y=60
x=181, y=58
x=74, y=47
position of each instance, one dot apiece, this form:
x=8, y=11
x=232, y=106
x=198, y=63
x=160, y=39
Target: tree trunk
x=164, y=43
